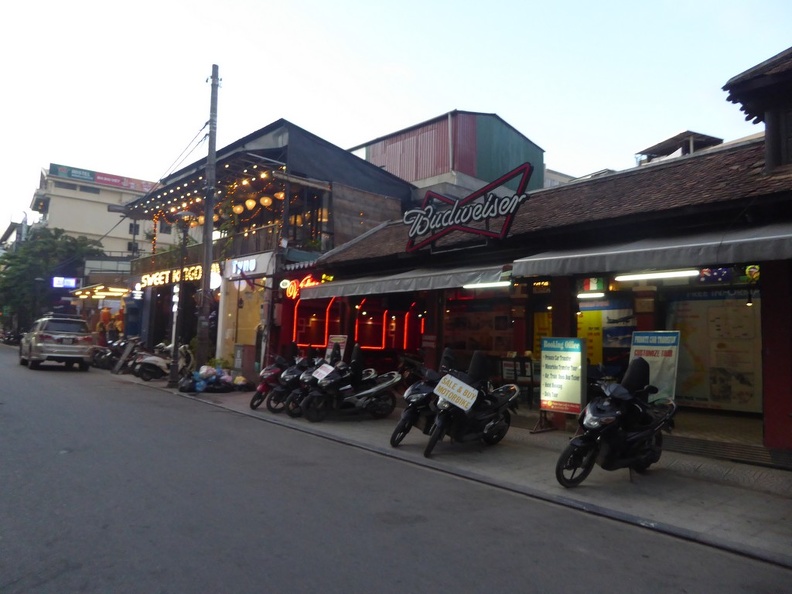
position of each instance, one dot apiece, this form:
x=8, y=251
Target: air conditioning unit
x=132, y=247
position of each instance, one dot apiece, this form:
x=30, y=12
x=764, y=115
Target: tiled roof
x=759, y=87
x=716, y=178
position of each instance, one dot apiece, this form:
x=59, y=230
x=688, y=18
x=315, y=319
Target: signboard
x=104, y=179
x=563, y=377
x=456, y=392
x=333, y=339
x=323, y=370
x=481, y=213
x=661, y=351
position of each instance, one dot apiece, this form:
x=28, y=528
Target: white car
x=62, y=338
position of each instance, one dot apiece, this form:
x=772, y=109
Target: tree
x=46, y=253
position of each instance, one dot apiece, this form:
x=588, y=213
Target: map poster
x=563, y=375
x=661, y=351
x=720, y=360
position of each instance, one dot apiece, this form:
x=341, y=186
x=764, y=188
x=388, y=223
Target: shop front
x=243, y=318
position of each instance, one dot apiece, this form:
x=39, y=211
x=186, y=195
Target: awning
x=421, y=279
x=771, y=242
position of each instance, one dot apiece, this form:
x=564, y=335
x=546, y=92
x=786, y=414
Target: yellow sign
x=174, y=275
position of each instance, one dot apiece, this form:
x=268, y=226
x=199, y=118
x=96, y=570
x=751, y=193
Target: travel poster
x=661, y=351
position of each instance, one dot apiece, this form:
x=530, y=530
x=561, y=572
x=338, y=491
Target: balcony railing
x=263, y=239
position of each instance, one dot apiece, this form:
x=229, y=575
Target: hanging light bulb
x=265, y=201
x=280, y=195
x=238, y=209
x=201, y=219
x=250, y=203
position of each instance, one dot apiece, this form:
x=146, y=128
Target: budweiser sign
x=481, y=213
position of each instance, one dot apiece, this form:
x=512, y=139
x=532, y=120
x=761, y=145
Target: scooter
x=268, y=378
x=468, y=409
x=351, y=388
x=621, y=428
x=420, y=398
x=154, y=366
x=288, y=380
x=308, y=382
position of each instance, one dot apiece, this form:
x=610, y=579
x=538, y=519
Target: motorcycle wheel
x=575, y=464
x=316, y=408
x=145, y=374
x=257, y=399
x=382, y=407
x=400, y=432
x=293, y=408
x=655, y=446
x=275, y=404
x=436, y=435
x=500, y=431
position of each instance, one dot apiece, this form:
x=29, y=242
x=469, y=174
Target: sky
x=123, y=88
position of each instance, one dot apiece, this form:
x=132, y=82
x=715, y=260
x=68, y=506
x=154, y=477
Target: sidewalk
x=737, y=507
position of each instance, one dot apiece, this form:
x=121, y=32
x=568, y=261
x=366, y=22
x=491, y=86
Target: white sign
x=456, y=392
x=323, y=370
x=661, y=351
x=563, y=374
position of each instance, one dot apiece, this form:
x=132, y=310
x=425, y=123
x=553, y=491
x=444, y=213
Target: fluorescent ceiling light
x=487, y=285
x=658, y=275
x=590, y=295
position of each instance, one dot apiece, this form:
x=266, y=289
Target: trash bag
x=186, y=384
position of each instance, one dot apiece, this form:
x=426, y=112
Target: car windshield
x=74, y=326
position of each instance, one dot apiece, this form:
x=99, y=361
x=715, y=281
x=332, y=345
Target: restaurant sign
x=481, y=213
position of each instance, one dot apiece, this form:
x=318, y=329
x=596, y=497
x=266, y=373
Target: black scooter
x=621, y=428
x=420, y=398
x=351, y=388
x=307, y=381
x=468, y=409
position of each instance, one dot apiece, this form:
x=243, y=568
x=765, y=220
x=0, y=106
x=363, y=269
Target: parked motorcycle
x=307, y=382
x=288, y=380
x=350, y=387
x=157, y=365
x=621, y=428
x=469, y=410
x=268, y=378
x=420, y=398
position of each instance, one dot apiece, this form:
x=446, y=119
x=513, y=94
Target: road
x=109, y=486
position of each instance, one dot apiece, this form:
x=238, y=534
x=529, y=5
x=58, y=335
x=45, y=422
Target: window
x=65, y=186
x=164, y=227
x=89, y=190
x=134, y=228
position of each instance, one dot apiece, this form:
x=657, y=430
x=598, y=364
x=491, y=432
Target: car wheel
x=33, y=364
x=84, y=366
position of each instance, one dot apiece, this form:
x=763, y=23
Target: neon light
x=294, y=331
x=327, y=321
x=293, y=287
x=406, y=329
x=384, y=333
x=423, y=325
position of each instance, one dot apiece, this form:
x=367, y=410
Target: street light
x=184, y=219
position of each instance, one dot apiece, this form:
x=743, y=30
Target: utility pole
x=202, y=350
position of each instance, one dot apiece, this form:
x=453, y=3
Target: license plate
x=67, y=340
